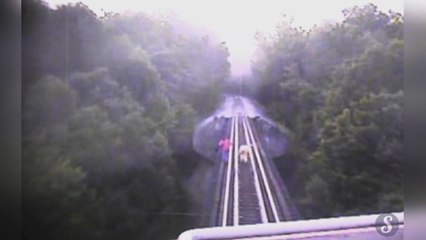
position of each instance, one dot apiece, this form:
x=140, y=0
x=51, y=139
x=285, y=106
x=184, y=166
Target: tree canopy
x=338, y=89
x=109, y=106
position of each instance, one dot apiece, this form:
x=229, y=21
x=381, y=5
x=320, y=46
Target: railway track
x=248, y=192
x=250, y=195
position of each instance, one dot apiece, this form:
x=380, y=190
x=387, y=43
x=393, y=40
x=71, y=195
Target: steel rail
x=263, y=174
x=262, y=207
x=228, y=176
x=289, y=210
x=236, y=180
x=215, y=217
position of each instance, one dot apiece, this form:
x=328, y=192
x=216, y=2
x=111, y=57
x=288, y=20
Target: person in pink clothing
x=224, y=144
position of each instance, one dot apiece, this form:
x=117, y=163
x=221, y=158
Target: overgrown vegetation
x=338, y=89
x=109, y=106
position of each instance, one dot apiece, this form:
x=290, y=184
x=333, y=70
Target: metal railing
x=287, y=228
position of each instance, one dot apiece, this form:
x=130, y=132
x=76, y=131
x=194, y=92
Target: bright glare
x=236, y=21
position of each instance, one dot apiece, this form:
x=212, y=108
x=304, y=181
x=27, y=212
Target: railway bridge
x=249, y=192
x=250, y=199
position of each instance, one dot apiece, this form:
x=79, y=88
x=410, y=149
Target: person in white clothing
x=243, y=152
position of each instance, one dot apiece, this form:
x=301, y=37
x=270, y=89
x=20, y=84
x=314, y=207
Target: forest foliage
x=109, y=106
x=338, y=88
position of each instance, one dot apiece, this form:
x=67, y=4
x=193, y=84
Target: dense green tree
x=338, y=89
x=109, y=109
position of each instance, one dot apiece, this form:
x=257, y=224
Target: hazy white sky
x=236, y=21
